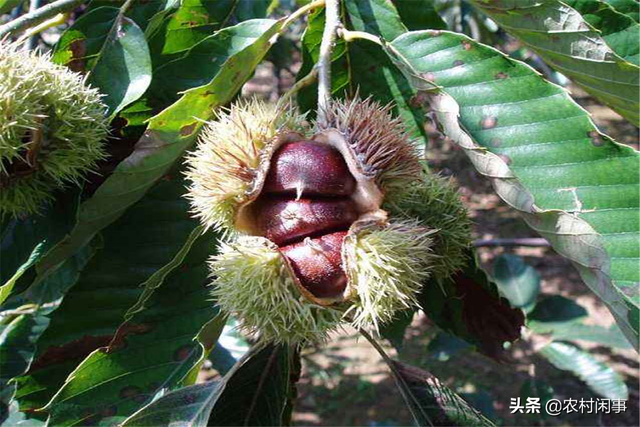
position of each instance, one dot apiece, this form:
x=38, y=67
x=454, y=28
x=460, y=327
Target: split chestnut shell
x=308, y=242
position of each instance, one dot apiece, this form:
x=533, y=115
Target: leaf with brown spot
x=130, y=252
x=72, y=351
x=126, y=329
x=573, y=185
x=587, y=41
x=78, y=50
x=187, y=130
x=155, y=350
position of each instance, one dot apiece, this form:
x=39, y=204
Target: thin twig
x=59, y=19
x=350, y=36
x=332, y=23
x=37, y=16
x=304, y=9
x=526, y=241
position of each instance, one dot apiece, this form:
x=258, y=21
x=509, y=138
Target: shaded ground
x=346, y=384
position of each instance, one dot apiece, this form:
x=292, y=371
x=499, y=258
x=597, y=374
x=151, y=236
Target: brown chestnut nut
x=317, y=264
x=307, y=168
x=286, y=220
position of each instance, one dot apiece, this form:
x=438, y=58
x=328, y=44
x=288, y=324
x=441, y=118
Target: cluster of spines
x=51, y=123
x=436, y=203
x=223, y=168
x=253, y=283
x=378, y=138
x=387, y=267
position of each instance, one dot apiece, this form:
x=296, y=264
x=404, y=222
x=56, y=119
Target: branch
x=350, y=36
x=331, y=26
x=527, y=241
x=37, y=16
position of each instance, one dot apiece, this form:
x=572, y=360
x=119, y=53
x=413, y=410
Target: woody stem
x=332, y=23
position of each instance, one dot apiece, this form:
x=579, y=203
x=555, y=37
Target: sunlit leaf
x=573, y=185
x=517, y=281
x=567, y=42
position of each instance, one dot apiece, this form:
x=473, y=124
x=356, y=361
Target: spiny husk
x=434, y=202
x=378, y=139
x=387, y=258
x=386, y=266
x=50, y=122
x=253, y=283
x=223, y=168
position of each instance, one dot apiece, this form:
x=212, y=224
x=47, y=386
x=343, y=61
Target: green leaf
x=517, y=281
x=134, y=248
x=360, y=67
x=631, y=8
x=24, y=241
x=19, y=337
x=372, y=74
x=188, y=406
x=185, y=25
x=251, y=9
x=158, y=278
x=609, y=337
x=567, y=42
x=253, y=393
x=419, y=15
x=151, y=352
x=258, y=391
x=340, y=68
x=598, y=376
x=537, y=389
x=573, y=185
x=142, y=13
x=112, y=49
x=17, y=341
x=208, y=337
x=378, y=17
x=171, y=132
x=619, y=31
x=555, y=312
